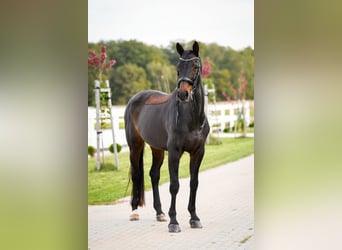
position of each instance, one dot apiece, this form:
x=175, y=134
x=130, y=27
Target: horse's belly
x=153, y=133
x=155, y=140
x=156, y=143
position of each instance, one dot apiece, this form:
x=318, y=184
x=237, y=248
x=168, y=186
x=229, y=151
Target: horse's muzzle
x=183, y=96
x=184, y=91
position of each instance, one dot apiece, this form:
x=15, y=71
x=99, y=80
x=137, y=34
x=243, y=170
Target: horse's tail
x=138, y=182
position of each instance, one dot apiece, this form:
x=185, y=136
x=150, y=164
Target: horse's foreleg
x=173, y=159
x=158, y=158
x=195, y=162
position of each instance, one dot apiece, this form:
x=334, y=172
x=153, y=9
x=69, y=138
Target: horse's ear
x=195, y=48
x=180, y=49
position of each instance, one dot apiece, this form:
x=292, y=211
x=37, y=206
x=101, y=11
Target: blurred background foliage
x=140, y=66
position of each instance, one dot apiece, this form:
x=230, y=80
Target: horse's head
x=189, y=71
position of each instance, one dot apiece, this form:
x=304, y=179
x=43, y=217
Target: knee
x=154, y=176
x=174, y=187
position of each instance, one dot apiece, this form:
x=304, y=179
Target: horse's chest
x=192, y=140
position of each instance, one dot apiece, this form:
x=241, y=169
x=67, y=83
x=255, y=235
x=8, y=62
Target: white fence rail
x=220, y=116
x=224, y=115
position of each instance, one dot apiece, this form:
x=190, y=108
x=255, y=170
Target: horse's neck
x=199, y=104
x=193, y=115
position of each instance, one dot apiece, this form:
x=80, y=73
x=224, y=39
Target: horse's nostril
x=183, y=95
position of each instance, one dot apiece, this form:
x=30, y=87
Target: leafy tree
x=215, y=52
x=131, y=51
x=162, y=77
x=221, y=79
x=127, y=81
x=157, y=55
x=248, y=70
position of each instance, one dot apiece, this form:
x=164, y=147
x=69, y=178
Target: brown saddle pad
x=157, y=98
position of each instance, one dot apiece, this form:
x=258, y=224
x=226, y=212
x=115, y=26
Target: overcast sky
x=157, y=22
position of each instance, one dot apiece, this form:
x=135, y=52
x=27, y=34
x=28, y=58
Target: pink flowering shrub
x=100, y=62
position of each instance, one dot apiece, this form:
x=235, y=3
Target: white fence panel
x=222, y=114
x=219, y=116
x=119, y=129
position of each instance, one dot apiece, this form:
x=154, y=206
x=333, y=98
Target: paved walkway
x=225, y=205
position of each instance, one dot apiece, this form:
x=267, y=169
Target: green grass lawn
x=108, y=185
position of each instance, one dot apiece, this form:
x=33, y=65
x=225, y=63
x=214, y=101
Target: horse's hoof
x=134, y=216
x=174, y=228
x=161, y=217
x=195, y=224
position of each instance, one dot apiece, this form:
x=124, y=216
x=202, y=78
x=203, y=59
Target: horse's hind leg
x=137, y=175
x=158, y=158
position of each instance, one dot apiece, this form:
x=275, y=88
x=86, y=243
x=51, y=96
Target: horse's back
x=158, y=98
x=133, y=108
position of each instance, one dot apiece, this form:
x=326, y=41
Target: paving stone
x=225, y=205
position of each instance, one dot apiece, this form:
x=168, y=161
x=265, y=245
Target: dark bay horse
x=174, y=122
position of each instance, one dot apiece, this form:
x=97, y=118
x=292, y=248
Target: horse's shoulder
x=157, y=98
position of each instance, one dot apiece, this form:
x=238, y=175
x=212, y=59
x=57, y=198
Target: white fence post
x=206, y=106
x=98, y=129
x=112, y=123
